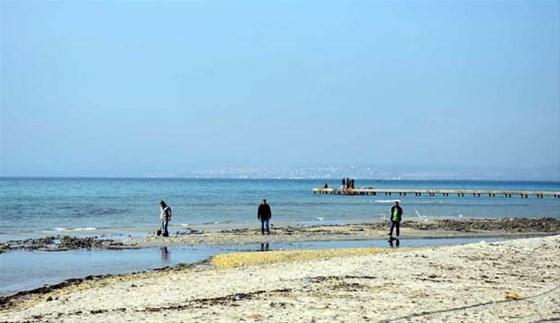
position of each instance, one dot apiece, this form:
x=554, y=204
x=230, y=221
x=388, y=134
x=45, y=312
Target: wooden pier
x=434, y=192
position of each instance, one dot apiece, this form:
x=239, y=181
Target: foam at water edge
x=387, y=201
x=75, y=229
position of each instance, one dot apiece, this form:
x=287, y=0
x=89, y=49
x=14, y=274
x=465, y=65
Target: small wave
x=319, y=218
x=420, y=216
x=85, y=229
x=68, y=207
x=107, y=211
x=218, y=222
x=76, y=229
x=387, y=201
x=183, y=224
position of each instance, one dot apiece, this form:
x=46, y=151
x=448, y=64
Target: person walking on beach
x=165, y=216
x=396, y=215
x=264, y=214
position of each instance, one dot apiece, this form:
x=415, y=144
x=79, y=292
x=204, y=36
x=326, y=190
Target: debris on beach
x=188, y=231
x=513, y=296
x=472, y=225
x=62, y=243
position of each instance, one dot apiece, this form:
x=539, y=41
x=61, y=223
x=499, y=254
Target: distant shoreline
x=319, y=180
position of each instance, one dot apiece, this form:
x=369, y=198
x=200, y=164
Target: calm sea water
x=39, y=206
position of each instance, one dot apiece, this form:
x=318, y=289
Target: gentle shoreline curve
x=432, y=229
x=23, y=298
x=515, y=280
x=411, y=229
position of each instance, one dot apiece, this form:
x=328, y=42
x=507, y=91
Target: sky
x=125, y=88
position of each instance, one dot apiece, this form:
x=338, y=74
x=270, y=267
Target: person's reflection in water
x=164, y=254
x=394, y=243
x=264, y=246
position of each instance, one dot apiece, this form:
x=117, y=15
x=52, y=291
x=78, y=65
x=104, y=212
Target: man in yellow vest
x=396, y=215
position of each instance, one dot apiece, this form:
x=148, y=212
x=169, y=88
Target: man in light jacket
x=165, y=216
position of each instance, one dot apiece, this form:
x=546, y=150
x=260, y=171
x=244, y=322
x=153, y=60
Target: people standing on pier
x=165, y=216
x=396, y=215
x=326, y=185
x=348, y=183
x=264, y=214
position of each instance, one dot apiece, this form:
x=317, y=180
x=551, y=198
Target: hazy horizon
x=444, y=89
x=335, y=173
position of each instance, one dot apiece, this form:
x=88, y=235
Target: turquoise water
x=119, y=207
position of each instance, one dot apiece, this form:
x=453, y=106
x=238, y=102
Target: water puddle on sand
x=25, y=270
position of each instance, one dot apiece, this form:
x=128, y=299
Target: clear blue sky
x=125, y=88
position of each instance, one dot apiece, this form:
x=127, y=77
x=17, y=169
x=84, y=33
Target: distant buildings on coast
x=545, y=173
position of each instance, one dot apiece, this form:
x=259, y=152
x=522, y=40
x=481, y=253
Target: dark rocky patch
x=320, y=279
x=188, y=231
x=512, y=225
x=61, y=243
x=227, y=300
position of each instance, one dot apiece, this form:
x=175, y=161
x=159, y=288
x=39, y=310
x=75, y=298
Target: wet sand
x=513, y=281
x=467, y=228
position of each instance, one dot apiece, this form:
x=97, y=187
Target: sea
x=119, y=208
x=123, y=207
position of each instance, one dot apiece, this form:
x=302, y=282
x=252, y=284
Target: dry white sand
x=512, y=281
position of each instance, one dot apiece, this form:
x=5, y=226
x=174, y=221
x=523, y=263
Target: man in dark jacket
x=264, y=214
x=396, y=215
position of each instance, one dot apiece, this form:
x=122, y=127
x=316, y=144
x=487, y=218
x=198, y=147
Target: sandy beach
x=513, y=281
